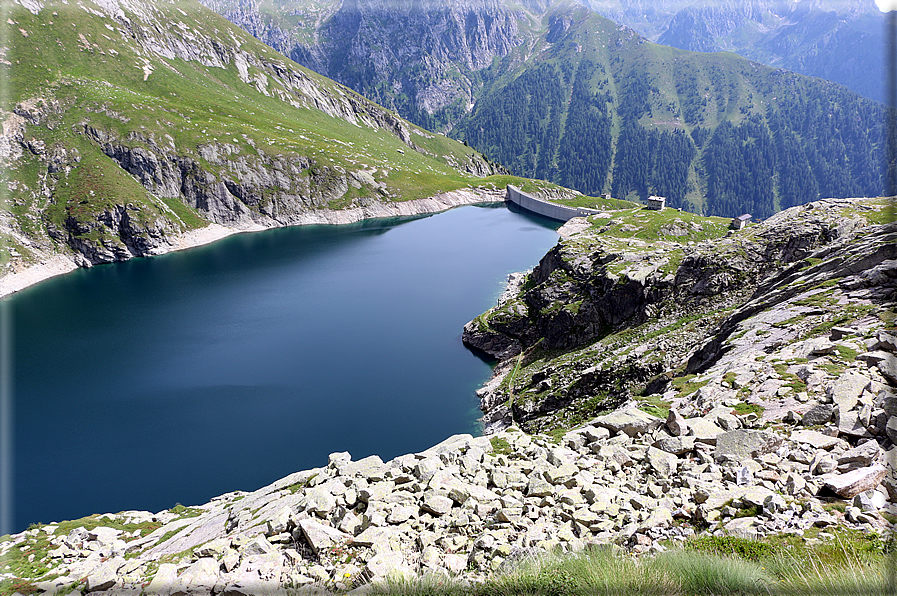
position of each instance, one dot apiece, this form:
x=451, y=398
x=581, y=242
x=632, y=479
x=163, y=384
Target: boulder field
x=471, y=505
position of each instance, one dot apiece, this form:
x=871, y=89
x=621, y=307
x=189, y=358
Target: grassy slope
x=90, y=71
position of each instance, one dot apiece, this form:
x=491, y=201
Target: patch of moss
x=752, y=511
x=297, y=486
x=686, y=384
x=743, y=409
x=848, y=354
x=655, y=406
x=500, y=446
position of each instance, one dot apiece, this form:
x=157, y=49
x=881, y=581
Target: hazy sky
x=886, y=5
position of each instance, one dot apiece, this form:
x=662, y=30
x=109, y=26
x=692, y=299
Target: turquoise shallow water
x=225, y=367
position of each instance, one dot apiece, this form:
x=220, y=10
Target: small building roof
x=745, y=217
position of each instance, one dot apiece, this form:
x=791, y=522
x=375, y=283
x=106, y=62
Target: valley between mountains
x=663, y=384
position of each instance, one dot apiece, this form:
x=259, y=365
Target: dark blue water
x=225, y=367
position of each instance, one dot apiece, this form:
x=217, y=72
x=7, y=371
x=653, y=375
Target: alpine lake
x=173, y=379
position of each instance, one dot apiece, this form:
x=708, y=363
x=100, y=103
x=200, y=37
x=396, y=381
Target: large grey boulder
x=855, y=482
x=164, y=580
x=199, y=578
x=631, y=421
x=737, y=445
x=435, y=503
x=319, y=501
x=259, y=545
x=850, y=423
x=104, y=575
x=388, y=564
x=886, y=341
x=704, y=431
x=845, y=391
x=818, y=415
x=560, y=474
x=676, y=445
x=103, y=534
x=537, y=486
x=891, y=429
x=860, y=456
x=814, y=439
x=321, y=536
x=665, y=464
x=371, y=467
x=427, y=467
x=376, y=535
x=888, y=368
x=676, y=424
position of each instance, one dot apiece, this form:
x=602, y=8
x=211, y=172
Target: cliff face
x=132, y=123
x=417, y=58
x=632, y=301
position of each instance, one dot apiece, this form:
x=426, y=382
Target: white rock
x=388, y=564
x=814, y=439
x=855, y=482
x=665, y=464
x=631, y=421
x=321, y=536
x=435, y=503
x=704, y=431
x=164, y=580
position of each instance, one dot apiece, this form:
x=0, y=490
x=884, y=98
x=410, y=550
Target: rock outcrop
x=619, y=309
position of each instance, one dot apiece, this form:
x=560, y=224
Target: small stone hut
x=739, y=222
x=657, y=203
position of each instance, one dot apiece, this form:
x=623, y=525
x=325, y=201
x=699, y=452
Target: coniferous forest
x=714, y=133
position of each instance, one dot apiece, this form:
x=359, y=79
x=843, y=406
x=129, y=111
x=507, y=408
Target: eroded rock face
x=617, y=305
x=369, y=44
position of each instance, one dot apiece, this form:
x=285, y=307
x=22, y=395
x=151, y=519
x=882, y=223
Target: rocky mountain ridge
x=639, y=302
x=787, y=428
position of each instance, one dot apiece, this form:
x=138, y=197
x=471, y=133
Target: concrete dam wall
x=544, y=208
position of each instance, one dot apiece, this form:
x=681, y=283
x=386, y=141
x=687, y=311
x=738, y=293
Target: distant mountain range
x=838, y=40
x=553, y=90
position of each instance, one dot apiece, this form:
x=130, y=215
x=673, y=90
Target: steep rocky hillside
x=694, y=383
x=554, y=91
x=423, y=59
x=128, y=125
x=673, y=310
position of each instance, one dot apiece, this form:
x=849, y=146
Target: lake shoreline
x=55, y=264
x=300, y=342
